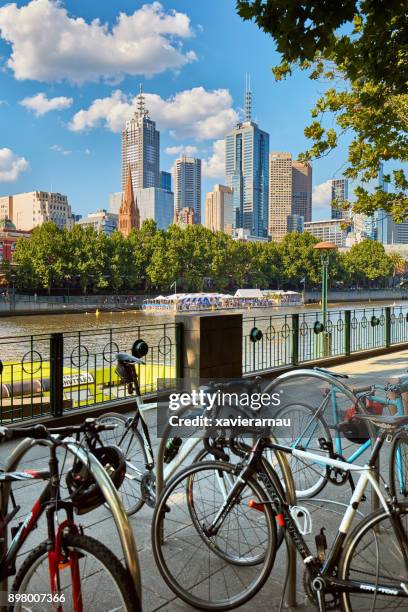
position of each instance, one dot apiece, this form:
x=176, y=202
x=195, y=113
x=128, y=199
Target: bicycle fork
x=229, y=501
x=57, y=560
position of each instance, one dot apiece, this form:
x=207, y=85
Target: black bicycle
x=365, y=569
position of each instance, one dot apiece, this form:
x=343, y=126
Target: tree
x=85, y=256
x=299, y=258
x=42, y=260
x=360, y=47
x=399, y=265
x=367, y=261
x=143, y=243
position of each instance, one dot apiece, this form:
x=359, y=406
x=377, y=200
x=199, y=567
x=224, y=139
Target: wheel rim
x=196, y=573
x=98, y=589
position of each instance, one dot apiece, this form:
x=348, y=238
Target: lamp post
x=324, y=248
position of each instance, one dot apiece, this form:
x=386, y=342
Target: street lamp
x=324, y=248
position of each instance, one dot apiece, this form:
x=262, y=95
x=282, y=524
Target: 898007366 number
x=36, y=598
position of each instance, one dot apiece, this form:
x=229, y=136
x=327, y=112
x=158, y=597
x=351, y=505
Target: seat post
x=375, y=454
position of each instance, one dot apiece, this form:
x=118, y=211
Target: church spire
x=129, y=217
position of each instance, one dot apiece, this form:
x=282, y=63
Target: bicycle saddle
x=385, y=421
x=125, y=358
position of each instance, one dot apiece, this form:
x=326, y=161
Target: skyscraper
x=187, y=185
x=302, y=190
x=165, y=180
x=129, y=217
x=339, y=193
x=218, y=209
x=141, y=148
x=280, y=194
x=246, y=170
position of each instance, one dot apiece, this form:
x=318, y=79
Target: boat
x=243, y=298
x=25, y=395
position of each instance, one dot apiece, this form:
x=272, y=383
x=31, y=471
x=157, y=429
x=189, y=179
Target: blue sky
x=67, y=85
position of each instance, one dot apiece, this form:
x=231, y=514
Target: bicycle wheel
x=104, y=582
x=305, y=430
x=131, y=444
x=372, y=555
x=201, y=575
x=205, y=455
x=399, y=467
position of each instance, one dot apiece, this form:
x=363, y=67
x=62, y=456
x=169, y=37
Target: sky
x=70, y=71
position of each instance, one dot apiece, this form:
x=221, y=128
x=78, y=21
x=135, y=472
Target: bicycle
x=132, y=436
x=69, y=570
x=358, y=573
x=324, y=428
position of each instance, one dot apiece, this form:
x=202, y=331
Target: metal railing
x=51, y=374
x=291, y=339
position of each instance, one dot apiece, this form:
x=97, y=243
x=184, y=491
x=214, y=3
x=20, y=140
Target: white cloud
x=58, y=149
x=40, y=104
x=11, y=165
x=214, y=166
x=196, y=113
x=321, y=196
x=48, y=44
x=181, y=150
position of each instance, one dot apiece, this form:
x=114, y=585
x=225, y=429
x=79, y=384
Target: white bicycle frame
x=366, y=476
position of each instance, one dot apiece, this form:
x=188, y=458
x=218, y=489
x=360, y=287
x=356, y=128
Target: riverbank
x=26, y=305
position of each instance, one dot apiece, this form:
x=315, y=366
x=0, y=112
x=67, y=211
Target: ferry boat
x=243, y=298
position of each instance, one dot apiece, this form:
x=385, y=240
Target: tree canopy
x=360, y=48
x=150, y=259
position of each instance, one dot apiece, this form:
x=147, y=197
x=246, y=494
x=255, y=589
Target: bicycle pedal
x=302, y=518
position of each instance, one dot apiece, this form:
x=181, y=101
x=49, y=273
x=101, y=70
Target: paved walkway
x=156, y=595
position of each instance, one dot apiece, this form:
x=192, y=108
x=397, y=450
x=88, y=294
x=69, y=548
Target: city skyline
x=61, y=127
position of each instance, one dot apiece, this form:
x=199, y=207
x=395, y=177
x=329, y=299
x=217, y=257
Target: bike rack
x=108, y=489
x=289, y=486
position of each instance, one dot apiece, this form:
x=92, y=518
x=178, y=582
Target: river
x=50, y=323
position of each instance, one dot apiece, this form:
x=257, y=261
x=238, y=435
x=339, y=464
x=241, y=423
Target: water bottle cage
x=301, y=516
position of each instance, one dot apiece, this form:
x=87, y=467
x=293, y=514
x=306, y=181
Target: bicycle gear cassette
x=148, y=489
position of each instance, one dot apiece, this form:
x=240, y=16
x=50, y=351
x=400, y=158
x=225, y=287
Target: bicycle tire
x=322, y=472
x=205, y=455
x=360, y=600
x=127, y=442
x=398, y=480
x=164, y=543
x=83, y=544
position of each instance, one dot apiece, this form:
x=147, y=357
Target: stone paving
x=156, y=595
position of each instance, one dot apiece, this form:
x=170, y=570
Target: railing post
x=387, y=326
x=56, y=374
x=347, y=332
x=179, y=349
x=295, y=339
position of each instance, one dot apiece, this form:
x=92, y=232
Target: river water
x=50, y=323
x=92, y=341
